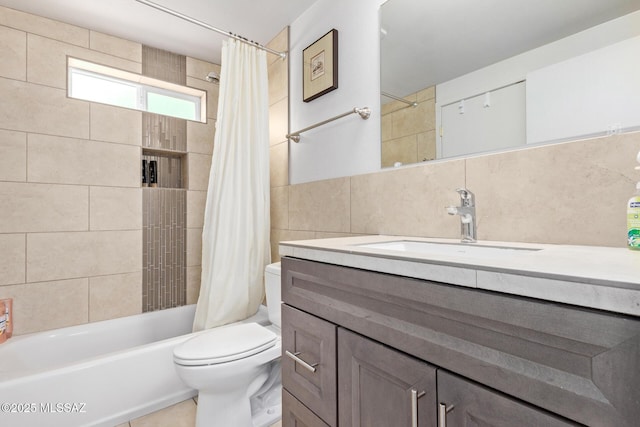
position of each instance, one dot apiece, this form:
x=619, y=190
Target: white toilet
x=236, y=367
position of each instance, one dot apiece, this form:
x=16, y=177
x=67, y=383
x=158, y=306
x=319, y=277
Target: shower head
x=213, y=77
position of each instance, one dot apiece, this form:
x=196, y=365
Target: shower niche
x=163, y=169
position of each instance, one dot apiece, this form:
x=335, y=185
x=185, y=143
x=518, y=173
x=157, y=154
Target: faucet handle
x=464, y=193
x=467, y=196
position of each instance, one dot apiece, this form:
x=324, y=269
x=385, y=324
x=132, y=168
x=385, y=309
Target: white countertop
x=589, y=276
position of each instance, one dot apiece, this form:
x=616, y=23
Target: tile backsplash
x=570, y=193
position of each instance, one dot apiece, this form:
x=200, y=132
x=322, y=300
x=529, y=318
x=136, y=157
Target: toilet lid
x=225, y=344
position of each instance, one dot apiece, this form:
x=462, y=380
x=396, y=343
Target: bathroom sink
x=448, y=249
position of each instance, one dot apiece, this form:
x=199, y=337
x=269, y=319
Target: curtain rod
x=388, y=95
x=282, y=55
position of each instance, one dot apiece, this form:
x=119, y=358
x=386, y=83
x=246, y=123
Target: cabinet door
x=295, y=414
x=464, y=403
x=309, y=362
x=382, y=387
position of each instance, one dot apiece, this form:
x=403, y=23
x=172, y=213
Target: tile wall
x=570, y=193
x=163, y=248
x=71, y=211
x=164, y=206
x=70, y=195
x=278, y=129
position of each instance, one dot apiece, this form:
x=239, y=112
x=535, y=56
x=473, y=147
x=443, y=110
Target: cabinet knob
x=309, y=366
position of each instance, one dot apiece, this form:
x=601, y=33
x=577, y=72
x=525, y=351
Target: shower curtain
x=235, y=238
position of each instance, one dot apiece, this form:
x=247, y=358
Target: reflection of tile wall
x=408, y=133
x=164, y=234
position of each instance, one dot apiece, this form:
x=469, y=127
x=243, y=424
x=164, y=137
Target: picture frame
x=320, y=66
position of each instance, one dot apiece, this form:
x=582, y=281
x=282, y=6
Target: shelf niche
x=171, y=171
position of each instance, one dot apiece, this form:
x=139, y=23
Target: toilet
x=236, y=367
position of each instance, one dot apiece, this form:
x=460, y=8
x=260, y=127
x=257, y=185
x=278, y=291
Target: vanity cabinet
x=378, y=341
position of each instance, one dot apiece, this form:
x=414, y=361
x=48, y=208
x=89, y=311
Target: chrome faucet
x=467, y=212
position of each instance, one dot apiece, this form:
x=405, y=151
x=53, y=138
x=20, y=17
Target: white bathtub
x=98, y=374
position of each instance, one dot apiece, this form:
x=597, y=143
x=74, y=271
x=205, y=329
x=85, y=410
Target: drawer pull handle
x=294, y=356
x=414, y=406
x=443, y=410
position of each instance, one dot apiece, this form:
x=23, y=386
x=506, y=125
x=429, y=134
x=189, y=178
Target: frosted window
x=97, y=83
x=97, y=89
x=171, y=106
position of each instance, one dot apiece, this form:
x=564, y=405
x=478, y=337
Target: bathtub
x=98, y=374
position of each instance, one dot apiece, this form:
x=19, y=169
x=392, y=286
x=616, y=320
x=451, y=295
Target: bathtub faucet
x=467, y=212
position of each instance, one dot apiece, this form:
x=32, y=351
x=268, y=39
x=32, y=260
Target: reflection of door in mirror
x=491, y=121
x=408, y=129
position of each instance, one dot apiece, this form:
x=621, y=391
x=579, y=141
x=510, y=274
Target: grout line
x=26, y=157
x=88, y=299
x=465, y=173
x=26, y=54
x=350, y=205
x=89, y=208
x=25, y=258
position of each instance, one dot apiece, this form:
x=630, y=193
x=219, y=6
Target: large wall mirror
x=466, y=76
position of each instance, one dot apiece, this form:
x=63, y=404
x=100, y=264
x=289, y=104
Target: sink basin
x=448, y=249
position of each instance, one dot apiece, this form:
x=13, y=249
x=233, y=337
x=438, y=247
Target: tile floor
x=182, y=414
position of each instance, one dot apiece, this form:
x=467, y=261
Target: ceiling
x=425, y=42
x=258, y=20
x=463, y=35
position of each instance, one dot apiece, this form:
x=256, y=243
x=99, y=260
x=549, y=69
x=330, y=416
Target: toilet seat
x=224, y=344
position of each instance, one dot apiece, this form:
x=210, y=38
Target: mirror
x=463, y=77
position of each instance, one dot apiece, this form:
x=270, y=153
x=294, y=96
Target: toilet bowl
x=232, y=366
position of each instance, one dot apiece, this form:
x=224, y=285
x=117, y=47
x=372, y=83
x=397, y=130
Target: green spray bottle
x=633, y=218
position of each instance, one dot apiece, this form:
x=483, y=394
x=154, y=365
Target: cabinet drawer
x=309, y=362
x=463, y=402
x=295, y=414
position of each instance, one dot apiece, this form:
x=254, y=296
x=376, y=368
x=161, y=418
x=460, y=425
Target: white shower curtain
x=235, y=239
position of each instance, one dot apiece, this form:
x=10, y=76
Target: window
x=98, y=83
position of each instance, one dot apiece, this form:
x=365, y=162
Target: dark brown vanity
x=375, y=349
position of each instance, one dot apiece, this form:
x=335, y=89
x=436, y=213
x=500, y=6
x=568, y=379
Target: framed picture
x=320, y=66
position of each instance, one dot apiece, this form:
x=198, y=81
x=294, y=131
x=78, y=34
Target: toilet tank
x=272, y=289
